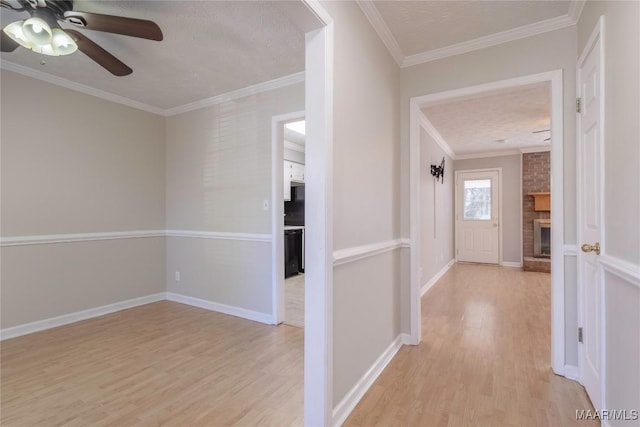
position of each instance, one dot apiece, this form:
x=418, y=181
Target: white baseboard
x=571, y=372
x=511, y=264
x=40, y=325
x=349, y=402
x=222, y=308
x=437, y=277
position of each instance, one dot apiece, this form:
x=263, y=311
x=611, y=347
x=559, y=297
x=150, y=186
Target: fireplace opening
x=542, y=238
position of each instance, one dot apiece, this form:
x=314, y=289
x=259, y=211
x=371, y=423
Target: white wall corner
x=432, y=281
x=65, y=319
x=571, y=372
x=575, y=10
x=243, y=313
x=438, y=138
x=357, y=392
x=380, y=26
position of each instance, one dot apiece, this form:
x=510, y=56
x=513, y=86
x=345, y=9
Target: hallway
x=483, y=360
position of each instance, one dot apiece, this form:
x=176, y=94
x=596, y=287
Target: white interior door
x=590, y=220
x=478, y=216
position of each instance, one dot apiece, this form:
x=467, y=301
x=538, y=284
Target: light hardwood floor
x=484, y=359
x=159, y=364
x=294, y=300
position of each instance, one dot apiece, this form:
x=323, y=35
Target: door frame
x=555, y=78
x=277, y=212
x=457, y=206
x=597, y=34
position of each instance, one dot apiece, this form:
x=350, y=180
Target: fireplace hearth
x=542, y=238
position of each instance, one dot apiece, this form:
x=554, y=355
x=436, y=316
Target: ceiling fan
x=543, y=130
x=41, y=32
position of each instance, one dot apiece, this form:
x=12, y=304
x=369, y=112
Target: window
x=477, y=199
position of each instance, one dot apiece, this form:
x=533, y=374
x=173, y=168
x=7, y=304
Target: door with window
x=478, y=216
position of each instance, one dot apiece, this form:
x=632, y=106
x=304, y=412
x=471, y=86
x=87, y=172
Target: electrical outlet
x=265, y=205
x=177, y=276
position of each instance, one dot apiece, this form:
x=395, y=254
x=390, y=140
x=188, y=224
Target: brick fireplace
x=536, y=186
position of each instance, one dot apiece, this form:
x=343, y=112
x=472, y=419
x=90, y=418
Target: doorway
x=556, y=136
x=293, y=219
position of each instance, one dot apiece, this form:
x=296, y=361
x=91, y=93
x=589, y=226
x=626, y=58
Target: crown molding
x=539, y=149
x=229, y=96
x=437, y=137
x=59, y=81
x=575, y=10
x=236, y=94
x=380, y=26
x=486, y=154
x=490, y=40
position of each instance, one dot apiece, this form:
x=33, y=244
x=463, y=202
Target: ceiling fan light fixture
x=45, y=49
x=62, y=43
x=14, y=30
x=37, y=31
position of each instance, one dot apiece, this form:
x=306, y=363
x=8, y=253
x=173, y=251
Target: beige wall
x=436, y=209
x=218, y=172
x=511, y=201
x=73, y=163
x=545, y=52
x=622, y=194
x=366, y=303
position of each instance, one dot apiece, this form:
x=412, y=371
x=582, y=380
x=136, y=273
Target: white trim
x=277, y=212
x=626, y=270
x=45, y=239
x=575, y=10
x=347, y=255
x=539, y=149
x=436, y=277
x=570, y=250
x=380, y=26
x=524, y=31
x=487, y=154
x=236, y=94
x=65, y=319
x=571, y=372
x=319, y=112
x=351, y=399
x=196, y=234
x=428, y=127
x=87, y=90
x=511, y=264
x=405, y=243
x=557, y=198
x=221, y=308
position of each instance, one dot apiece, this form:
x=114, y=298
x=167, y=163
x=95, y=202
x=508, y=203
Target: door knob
x=591, y=248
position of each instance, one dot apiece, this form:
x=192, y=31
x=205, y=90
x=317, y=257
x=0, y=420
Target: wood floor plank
x=160, y=364
x=484, y=359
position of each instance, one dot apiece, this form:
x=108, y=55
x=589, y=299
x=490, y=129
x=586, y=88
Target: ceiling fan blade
x=116, y=24
x=540, y=131
x=8, y=44
x=99, y=55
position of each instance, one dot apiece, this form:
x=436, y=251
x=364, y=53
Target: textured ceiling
x=474, y=124
x=209, y=48
x=420, y=26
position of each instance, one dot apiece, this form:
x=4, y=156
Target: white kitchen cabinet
x=287, y=182
x=293, y=173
